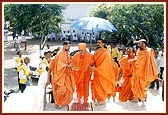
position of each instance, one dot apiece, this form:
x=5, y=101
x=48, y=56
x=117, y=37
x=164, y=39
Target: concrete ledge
x=31, y=100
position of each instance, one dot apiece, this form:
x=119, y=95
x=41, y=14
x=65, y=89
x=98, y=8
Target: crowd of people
x=72, y=36
x=19, y=40
x=133, y=68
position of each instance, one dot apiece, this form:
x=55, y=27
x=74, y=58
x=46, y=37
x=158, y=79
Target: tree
x=136, y=20
x=39, y=18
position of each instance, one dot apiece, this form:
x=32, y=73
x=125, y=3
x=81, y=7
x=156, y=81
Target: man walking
x=82, y=60
x=126, y=70
x=62, y=80
x=104, y=82
x=145, y=70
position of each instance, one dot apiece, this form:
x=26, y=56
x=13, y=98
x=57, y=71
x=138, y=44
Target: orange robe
x=127, y=70
x=116, y=68
x=145, y=72
x=82, y=76
x=62, y=79
x=116, y=73
x=104, y=76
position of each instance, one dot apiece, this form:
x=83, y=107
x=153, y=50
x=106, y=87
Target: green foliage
x=135, y=20
x=39, y=18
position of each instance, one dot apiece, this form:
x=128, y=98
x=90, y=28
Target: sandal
x=58, y=106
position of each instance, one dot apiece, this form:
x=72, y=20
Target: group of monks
x=69, y=74
x=97, y=72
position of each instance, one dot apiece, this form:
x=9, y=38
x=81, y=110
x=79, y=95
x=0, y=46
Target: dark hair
x=156, y=51
x=47, y=68
x=18, y=52
x=50, y=52
x=103, y=41
x=45, y=53
x=66, y=42
x=131, y=48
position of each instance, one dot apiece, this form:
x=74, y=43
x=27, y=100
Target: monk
x=115, y=67
x=104, y=80
x=126, y=71
x=62, y=80
x=82, y=61
x=145, y=70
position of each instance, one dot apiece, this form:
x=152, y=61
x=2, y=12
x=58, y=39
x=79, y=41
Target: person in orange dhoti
x=81, y=62
x=115, y=67
x=103, y=83
x=126, y=70
x=62, y=79
x=145, y=70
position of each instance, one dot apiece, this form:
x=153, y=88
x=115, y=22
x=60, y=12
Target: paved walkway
x=154, y=104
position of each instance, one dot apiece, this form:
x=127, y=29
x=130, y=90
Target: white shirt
x=23, y=39
x=161, y=58
x=30, y=35
x=69, y=34
x=75, y=38
x=17, y=40
x=46, y=50
x=64, y=35
x=43, y=66
x=43, y=79
x=21, y=73
x=158, y=60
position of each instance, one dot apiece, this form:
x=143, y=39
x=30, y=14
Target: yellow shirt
x=23, y=77
x=19, y=62
x=114, y=52
x=109, y=48
x=119, y=56
x=42, y=69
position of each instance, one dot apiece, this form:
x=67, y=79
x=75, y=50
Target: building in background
x=73, y=13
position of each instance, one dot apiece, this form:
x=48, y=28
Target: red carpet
x=80, y=107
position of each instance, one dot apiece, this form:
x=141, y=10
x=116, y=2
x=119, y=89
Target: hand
x=160, y=80
x=118, y=83
x=31, y=73
x=69, y=65
x=92, y=68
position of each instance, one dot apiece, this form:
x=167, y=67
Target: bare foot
x=113, y=99
x=134, y=100
x=58, y=106
x=96, y=104
x=143, y=103
x=99, y=103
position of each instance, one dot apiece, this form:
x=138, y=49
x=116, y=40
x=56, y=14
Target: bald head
x=26, y=60
x=130, y=52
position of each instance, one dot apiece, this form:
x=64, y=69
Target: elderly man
x=145, y=70
x=24, y=74
x=82, y=62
